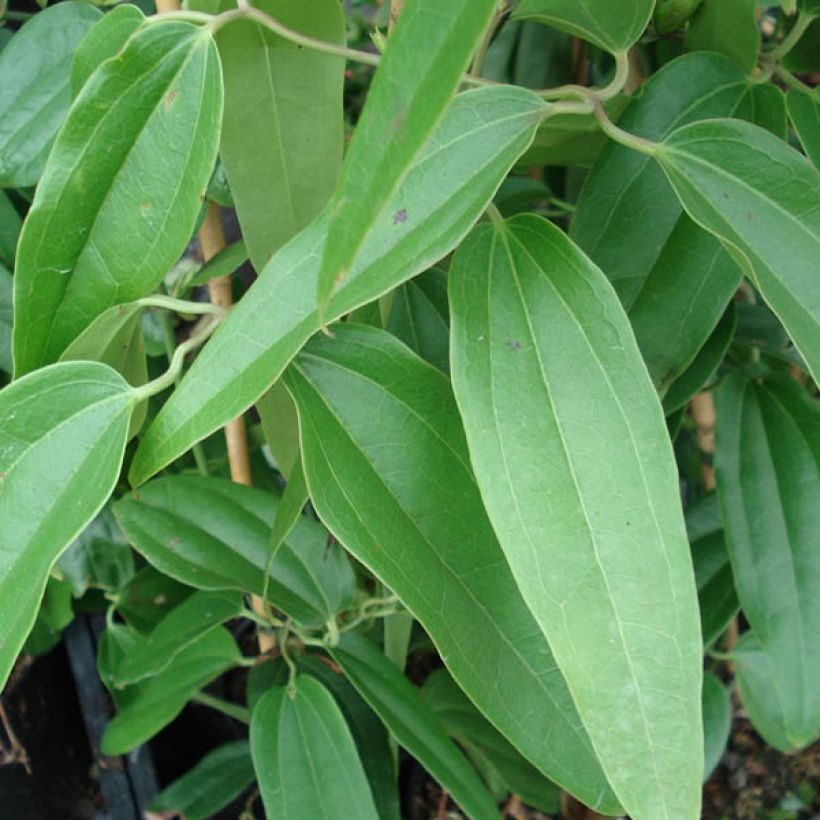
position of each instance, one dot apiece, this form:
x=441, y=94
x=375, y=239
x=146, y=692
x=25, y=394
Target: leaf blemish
x=170, y=97
x=514, y=345
x=400, y=217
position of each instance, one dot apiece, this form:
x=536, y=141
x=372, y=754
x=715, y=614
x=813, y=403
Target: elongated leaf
x=282, y=133
x=388, y=469
x=428, y=52
x=716, y=586
x=34, y=88
x=62, y=438
x=729, y=27
x=768, y=104
x=768, y=471
x=399, y=704
x=551, y=388
x=10, y=225
x=305, y=759
x=103, y=41
x=6, y=290
x=613, y=27
x=186, y=623
x=280, y=424
x=112, y=213
x=55, y=613
x=214, y=534
x=772, y=226
x=223, y=264
x=717, y=721
x=215, y=781
x=148, y=597
x=443, y=195
x=804, y=111
x=156, y=703
x=368, y=732
x=465, y=723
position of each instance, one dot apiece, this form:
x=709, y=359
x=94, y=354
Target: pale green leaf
x=112, y=213
x=305, y=758
x=400, y=706
x=762, y=199
x=444, y=193
x=553, y=394
x=62, y=436
x=427, y=54
x=35, y=70
x=388, y=470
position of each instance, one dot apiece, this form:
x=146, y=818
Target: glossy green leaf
x=55, y=613
x=728, y=27
x=223, y=264
x=552, y=390
x=305, y=758
x=672, y=14
x=368, y=732
x=445, y=192
x=112, y=213
x=703, y=367
x=10, y=224
x=768, y=472
x=730, y=178
x=717, y=721
x=182, y=626
x=399, y=704
x=768, y=109
x=282, y=132
x=148, y=597
x=214, y=534
x=157, y=702
x=103, y=41
x=34, y=88
x=804, y=111
x=217, y=779
x=81, y=412
x=613, y=27
x=402, y=498
x=6, y=290
x=428, y=52
x=289, y=511
x=628, y=213
x=420, y=317
x=483, y=743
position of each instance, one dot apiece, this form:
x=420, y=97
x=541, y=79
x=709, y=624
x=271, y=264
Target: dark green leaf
x=729, y=27
x=56, y=612
x=280, y=425
x=762, y=199
x=442, y=197
x=10, y=224
x=716, y=585
x=223, y=264
x=6, y=290
x=672, y=14
x=112, y=213
x=219, y=777
x=427, y=54
x=717, y=721
x=804, y=111
x=399, y=704
x=388, y=469
x=305, y=759
x=35, y=70
x=552, y=390
x=62, y=436
x=148, y=597
x=214, y=534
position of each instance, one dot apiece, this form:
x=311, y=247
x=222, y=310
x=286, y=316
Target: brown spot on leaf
x=169, y=98
x=400, y=217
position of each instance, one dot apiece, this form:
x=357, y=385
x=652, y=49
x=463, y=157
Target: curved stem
x=239, y=713
x=609, y=91
x=623, y=137
x=180, y=305
x=788, y=79
x=790, y=40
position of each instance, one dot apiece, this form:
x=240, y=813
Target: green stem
x=790, y=40
x=159, y=300
x=484, y=45
x=495, y=216
x=239, y=713
x=601, y=95
x=623, y=137
x=16, y=16
x=790, y=81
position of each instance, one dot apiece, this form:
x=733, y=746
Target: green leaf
x=214, y=534
x=628, y=213
x=804, y=111
x=55, y=613
x=148, y=597
x=157, y=702
x=34, y=88
x=552, y=389
x=767, y=462
x=612, y=27
x=223, y=264
x=182, y=626
x=442, y=196
x=10, y=224
x=368, y=732
x=399, y=704
x=62, y=437
x=427, y=54
x=672, y=14
x=730, y=178
x=768, y=109
x=305, y=759
x=716, y=586
x=112, y=213
x=280, y=424
x=704, y=366
x=464, y=723
x=282, y=133
x=728, y=27
x=103, y=41
x=6, y=290
x=402, y=498
x=717, y=721
x=420, y=317
x=217, y=779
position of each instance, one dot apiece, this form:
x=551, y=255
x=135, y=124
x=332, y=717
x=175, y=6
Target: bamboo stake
x=396, y=7
x=703, y=412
